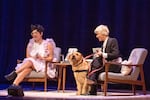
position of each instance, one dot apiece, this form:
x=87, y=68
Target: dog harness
x=81, y=71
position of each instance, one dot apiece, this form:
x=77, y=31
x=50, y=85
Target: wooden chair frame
x=40, y=79
x=140, y=82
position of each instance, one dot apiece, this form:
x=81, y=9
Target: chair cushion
x=126, y=70
x=119, y=76
x=35, y=74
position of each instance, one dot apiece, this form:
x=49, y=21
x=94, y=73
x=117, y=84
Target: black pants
x=98, y=63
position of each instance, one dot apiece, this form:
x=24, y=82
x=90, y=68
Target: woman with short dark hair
x=38, y=51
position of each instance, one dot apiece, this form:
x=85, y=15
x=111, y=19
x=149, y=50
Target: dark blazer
x=112, y=49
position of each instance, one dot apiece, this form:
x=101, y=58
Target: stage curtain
x=71, y=23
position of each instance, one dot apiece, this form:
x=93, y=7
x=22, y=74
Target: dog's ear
x=68, y=56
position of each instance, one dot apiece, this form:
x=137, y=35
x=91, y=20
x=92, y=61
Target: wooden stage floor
x=71, y=95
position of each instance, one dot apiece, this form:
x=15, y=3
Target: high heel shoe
x=11, y=76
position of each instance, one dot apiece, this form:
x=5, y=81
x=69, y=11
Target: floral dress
x=35, y=49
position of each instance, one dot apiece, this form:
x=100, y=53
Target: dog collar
x=79, y=63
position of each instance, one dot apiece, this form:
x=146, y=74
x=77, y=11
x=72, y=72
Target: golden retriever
x=80, y=70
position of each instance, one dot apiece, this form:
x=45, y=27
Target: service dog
x=80, y=70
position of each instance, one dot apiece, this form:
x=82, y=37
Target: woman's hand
x=40, y=57
x=98, y=53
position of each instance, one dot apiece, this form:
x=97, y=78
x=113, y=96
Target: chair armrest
x=115, y=63
x=107, y=65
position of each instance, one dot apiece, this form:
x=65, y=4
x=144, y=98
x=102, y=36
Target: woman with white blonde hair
x=101, y=28
x=110, y=51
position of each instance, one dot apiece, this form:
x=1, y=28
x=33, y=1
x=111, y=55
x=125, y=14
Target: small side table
x=62, y=74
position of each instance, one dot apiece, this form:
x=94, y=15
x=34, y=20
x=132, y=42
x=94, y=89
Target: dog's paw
x=85, y=94
x=78, y=93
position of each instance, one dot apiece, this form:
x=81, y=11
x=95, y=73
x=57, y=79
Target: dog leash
x=88, y=56
x=90, y=73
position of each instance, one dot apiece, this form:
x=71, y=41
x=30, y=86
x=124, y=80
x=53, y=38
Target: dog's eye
x=77, y=54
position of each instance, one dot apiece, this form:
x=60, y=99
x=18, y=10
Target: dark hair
x=37, y=27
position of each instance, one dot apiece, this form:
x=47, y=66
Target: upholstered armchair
x=137, y=57
x=43, y=76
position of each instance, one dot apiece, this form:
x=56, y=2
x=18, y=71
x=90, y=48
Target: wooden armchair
x=42, y=76
x=137, y=56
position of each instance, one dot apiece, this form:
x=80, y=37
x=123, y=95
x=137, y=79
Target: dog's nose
x=73, y=57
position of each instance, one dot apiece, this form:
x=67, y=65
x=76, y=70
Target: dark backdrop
x=71, y=24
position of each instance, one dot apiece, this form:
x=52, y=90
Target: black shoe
x=89, y=94
x=92, y=94
x=15, y=90
x=93, y=90
x=11, y=76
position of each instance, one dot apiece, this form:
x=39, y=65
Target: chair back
x=137, y=56
x=57, y=53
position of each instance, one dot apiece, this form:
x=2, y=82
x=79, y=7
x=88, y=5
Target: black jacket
x=112, y=49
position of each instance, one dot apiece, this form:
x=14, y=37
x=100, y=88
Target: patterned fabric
x=40, y=49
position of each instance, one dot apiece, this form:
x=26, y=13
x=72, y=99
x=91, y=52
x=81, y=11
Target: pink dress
x=40, y=49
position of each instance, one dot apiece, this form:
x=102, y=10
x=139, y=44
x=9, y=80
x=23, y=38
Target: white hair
x=101, y=28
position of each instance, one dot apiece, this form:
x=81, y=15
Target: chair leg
x=133, y=89
x=105, y=89
x=102, y=87
x=143, y=80
x=33, y=86
x=45, y=85
x=144, y=89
